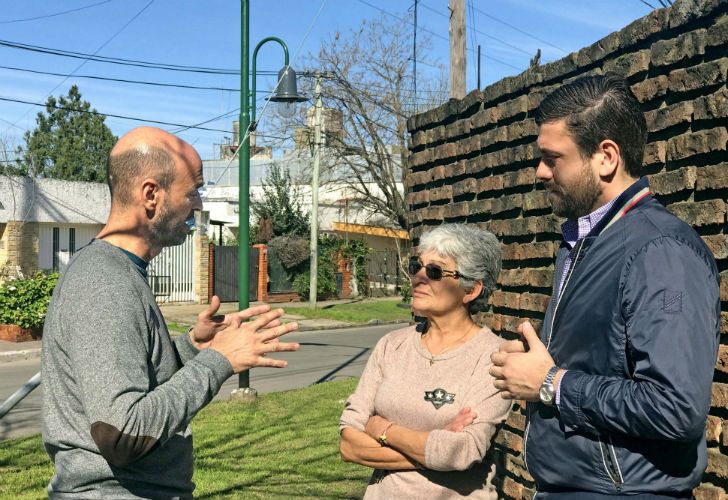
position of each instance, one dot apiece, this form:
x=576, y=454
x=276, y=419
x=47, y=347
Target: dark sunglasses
x=432, y=271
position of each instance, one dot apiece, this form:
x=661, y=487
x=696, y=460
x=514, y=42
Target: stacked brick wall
x=473, y=160
x=21, y=246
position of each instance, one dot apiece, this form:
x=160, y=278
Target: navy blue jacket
x=637, y=327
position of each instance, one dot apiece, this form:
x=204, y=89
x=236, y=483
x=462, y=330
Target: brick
x=513, y=277
x=535, y=96
x=524, y=251
x=724, y=323
x=541, y=277
x=475, y=165
x=492, y=183
x=673, y=181
x=629, y=64
x=685, y=46
x=513, y=107
x=509, y=440
x=724, y=286
x=523, y=177
x=722, y=363
x=517, y=490
x=654, y=22
x=516, y=466
x=695, y=77
x=467, y=186
x=535, y=200
x=516, y=421
x=719, y=395
x=455, y=210
x=700, y=213
x=707, y=491
x=480, y=207
x=655, y=152
x=506, y=203
x=418, y=197
x=485, y=117
x=559, y=68
x=717, y=463
x=712, y=106
x=688, y=10
x=718, y=33
x=712, y=177
x=510, y=323
x=433, y=213
x=718, y=244
x=534, y=302
x=713, y=429
x=509, y=300
x=441, y=193
x=662, y=118
x=690, y=144
x=651, y=88
x=439, y=172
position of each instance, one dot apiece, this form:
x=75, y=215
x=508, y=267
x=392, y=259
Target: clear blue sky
x=207, y=34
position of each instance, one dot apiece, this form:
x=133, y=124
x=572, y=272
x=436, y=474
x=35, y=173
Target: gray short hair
x=476, y=252
x=127, y=168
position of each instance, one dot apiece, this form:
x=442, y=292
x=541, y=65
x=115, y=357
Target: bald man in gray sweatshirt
x=119, y=394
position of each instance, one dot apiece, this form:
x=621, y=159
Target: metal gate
x=383, y=273
x=225, y=273
x=170, y=273
x=278, y=277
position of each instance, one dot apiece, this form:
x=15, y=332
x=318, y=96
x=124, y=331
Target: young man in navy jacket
x=618, y=381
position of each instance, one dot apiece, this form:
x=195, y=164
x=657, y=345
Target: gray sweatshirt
x=118, y=394
x=401, y=384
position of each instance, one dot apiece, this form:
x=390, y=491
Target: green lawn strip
x=283, y=446
x=355, y=312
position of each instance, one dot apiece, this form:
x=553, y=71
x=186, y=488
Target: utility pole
x=457, y=49
x=313, y=291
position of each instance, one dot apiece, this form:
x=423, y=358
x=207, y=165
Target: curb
x=21, y=355
x=10, y=356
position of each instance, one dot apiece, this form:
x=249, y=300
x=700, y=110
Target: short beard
x=166, y=231
x=581, y=197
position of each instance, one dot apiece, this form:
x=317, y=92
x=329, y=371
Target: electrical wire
x=11, y=21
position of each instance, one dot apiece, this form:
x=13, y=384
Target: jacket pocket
x=610, y=463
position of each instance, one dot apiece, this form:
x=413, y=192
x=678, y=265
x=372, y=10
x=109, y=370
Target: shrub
x=24, y=302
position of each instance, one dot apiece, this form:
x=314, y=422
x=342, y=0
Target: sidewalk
x=185, y=315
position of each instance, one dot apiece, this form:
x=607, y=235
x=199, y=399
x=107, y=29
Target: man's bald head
x=142, y=153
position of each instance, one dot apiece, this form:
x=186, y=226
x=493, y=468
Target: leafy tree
x=281, y=204
x=70, y=141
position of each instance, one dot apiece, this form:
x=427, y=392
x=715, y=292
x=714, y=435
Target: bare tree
x=371, y=85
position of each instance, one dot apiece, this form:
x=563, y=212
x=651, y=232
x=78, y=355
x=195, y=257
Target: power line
x=117, y=60
x=436, y=34
x=480, y=32
x=648, y=4
x=121, y=80
x=122, y=117
x=96, y=52
x=519, y=30
x=55, y=14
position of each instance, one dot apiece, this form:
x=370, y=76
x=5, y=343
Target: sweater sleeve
x=185, y=349
x=108, y=343
x=360, y=405
x=671, y=303
x=447, y=450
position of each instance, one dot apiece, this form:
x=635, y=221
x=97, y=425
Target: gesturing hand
x=464, y=418
x=208, y=324
x=246, y=345
x=520, y=366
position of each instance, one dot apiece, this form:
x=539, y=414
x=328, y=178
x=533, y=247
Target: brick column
x=344, y=267
x=201, y=267
x=21, y=245
x=262, y=272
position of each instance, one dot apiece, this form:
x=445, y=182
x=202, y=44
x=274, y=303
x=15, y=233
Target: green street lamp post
x=286, y=94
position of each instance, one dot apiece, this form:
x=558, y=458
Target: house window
x=56, y=247
x=71, y=241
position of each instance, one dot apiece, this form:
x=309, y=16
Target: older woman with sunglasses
x=425, y=411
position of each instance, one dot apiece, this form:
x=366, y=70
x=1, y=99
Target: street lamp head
x=286, y=92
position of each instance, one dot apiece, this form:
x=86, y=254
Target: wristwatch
x=547, y=394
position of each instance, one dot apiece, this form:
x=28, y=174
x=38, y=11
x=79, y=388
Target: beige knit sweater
x=400, y=384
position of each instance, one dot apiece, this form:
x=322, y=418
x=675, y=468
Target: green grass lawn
x=284, y=446
x=355, y=312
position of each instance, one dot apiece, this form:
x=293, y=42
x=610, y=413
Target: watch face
x=546, y=394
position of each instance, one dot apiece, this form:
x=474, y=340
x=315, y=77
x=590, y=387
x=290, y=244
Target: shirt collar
x=574, y=230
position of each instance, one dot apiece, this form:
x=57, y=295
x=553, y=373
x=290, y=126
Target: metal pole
x=19, y=395
x=244, y=176
x=314, y=192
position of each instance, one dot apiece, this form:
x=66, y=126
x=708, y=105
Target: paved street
x=325, y=355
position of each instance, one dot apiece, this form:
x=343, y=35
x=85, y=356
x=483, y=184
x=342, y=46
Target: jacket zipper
x=611, y=465
x=548, y=342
